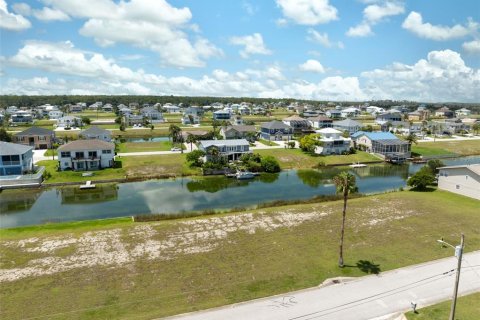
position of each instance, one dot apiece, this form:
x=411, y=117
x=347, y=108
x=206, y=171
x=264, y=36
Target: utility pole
x=458, y=254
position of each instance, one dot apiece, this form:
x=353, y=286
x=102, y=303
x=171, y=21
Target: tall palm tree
x=345, y=183
x=214, y=153
x=174, y=132
x=411, y=138
x=191, y=139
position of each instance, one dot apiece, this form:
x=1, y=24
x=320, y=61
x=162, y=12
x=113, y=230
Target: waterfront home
x=222, y=115
x=21, y=117
x=332, y=142
x=244, y=110
x=374, y=110
x=463, y=179
x=276, y=130
x=39, y=138
x=95, y=132
x=69, y=122
x=125, y=110
x=86, y=155
x=334, y=113
x=388, y=117
x=107, y=108
x=298, y=123
x=349, y=112
x=195, y=111
x=76, y=108
x=385, y=144
x=229, y=149
x=320, y=122
x=401, y=127
x=169, y=108
x=451, y=126
x=55, y=114
x=190, y=119
x=152, y=115
x=238, y=132
x=133, y=119
x=464, y=112
x=349, y=125
x=444, y=112
x=419, y=115
x=15, y=159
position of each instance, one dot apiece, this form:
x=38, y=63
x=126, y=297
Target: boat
x=243, y=175
x=358, y=165
x=87, y=185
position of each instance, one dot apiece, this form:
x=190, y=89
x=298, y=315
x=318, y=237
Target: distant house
x=76, y=108
x=332, y=142
x=374, y=110
x=238, y=132
x=419, y=115
x=229, y=149
x=55, y=114
x=194, y=110
x=86, y=155
x=152, y=115
x=172, y=109
x=320, y=122
x=15, y=159
x=21, y=117
x=384, y=143
x=36, y=137
x=133, y=119
x=276, y=130
x=464, y=112
x=222, y=115
x=463, y=179
x=452, y=126
x=349, y=112
x=98, y=133
x=334, y=114
x=190, y=119
x=388, y=117
x=298, y=124
x=124, y=110
x=69, y=122
x=444, y=112
x=107, y=108
x=349, y=125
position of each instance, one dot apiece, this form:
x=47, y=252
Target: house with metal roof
x=320, y=122
x=15, y=159
x=90, y=154
x=238, y=132
x=39, y=138
x=463, y=179
x=386, y=144
x=69, y=122
x=349, y=125
x=298, y=123
x=229, y=149
x=276, y=130
x=95, y=132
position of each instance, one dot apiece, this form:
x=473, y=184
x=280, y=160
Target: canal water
x=37, y=206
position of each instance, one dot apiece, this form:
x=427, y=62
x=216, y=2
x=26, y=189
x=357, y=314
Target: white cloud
x=12, y=21
x=373, y=14
x=472, y=46
x=362, y=30
x=148, y=24
x=48, y=14
x=443, y=76
x=253, y=44
x=323, y=39
x=312, y=65
x=414, y=23
x=308, y=12
x=249, y=8
x=22, y=8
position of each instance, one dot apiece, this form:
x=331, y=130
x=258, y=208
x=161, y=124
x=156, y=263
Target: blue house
x=15, y=159
x=276, y=130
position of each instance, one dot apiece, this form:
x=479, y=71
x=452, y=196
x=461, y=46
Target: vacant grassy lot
x=116, y=269
x=297, y=159
x=144, y=146
x=267, y=143
x=461, y=147
x=468, y=308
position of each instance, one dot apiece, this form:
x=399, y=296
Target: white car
x=175, y=149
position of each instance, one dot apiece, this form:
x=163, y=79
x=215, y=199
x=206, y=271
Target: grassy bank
x=144, y=146
x=127, y=270
x=460, y=147
x=297, y=159
x=468, y=308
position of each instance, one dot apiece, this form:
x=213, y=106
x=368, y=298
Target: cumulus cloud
x=308, y=12
x=48, y=14
x=148, y=24
x=323, y=39
x=253, y=44
x=472, y=46
x=373, y=14
x=312, y=65
x=12, y=21
x=414, y=23
x=443, y=76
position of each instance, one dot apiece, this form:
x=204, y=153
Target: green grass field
x=297, y=159
x=267, y=143
x=461, y=147
x=123, y=270
x=144, y=146
x=468, y=308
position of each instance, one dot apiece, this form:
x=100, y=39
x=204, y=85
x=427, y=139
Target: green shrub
x=270, y=164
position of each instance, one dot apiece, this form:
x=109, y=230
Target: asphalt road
x=367, y=297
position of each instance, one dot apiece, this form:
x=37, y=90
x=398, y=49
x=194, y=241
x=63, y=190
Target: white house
x=222, y=115
x=86, y=155
x=229, y=149
x=171, y=108
x=21, y=117
x=69, y=122
x=463, y=179
x=55, y=114
x=464, y=112
x=349, y=112
x=332, y=142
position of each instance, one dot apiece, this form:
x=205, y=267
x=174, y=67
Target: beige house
x=464, y=180
x=39, y=138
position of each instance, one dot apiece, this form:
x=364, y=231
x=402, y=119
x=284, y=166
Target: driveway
x=368, y=297
x=38, y=155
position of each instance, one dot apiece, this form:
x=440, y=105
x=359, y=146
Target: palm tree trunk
x=344, y=214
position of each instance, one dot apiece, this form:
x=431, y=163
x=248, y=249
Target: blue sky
x=419, y=50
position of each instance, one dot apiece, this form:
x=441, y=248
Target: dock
x=87, y=185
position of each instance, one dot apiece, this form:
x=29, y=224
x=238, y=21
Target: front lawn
x=125, y=270
x=468, y=308
x=460, y=147
x=268, y=143
x=125, y=147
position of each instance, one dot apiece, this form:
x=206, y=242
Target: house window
x=92, y=154
x=79, y=155
x=106, y=151
x=65, y=154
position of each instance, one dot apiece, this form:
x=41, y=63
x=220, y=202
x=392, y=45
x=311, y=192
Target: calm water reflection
x=28, y=207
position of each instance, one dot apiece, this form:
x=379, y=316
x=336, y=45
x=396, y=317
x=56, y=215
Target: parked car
x=176, y=149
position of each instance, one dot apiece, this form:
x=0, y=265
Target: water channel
x=69, y=203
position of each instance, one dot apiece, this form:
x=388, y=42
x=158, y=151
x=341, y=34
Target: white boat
x=241, y=175
x=358, y=165
x=87, y=185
